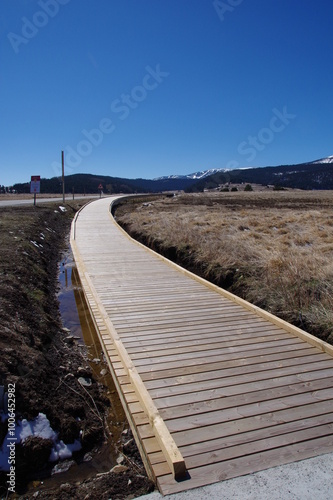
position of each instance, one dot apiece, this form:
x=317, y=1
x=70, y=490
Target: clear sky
x=145, y=88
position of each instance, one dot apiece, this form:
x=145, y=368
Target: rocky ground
x=47, y=365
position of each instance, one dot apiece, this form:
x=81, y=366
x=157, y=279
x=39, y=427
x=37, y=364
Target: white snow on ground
x=40, y=427
x=61, y=451
x=329, y=159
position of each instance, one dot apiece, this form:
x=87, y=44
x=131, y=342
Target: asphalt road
x=19, y=202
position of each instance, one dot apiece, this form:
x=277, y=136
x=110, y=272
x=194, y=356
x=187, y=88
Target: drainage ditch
x=77, y=320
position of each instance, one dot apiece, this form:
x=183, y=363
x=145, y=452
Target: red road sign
x=35, y=184
x=100, y=186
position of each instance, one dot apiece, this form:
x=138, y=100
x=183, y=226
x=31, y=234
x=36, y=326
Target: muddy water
x=75, y=316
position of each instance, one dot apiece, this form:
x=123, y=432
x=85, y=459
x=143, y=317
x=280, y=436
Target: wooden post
x=63, y=176
x=35, y=199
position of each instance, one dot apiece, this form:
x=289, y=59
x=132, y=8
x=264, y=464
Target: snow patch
x=39, y=427
x=195, y=175
x=61, y=451
x=329, y=159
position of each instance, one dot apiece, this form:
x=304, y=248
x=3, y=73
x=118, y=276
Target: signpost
x=100, y=188
x=63, y=176
x=35, y=186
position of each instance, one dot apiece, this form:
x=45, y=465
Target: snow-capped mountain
x=196, y=175
x=329, y=159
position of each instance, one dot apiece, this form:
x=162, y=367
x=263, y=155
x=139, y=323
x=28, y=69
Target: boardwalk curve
x=212, y=386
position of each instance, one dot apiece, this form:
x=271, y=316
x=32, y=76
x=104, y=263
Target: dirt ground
x=45, y=362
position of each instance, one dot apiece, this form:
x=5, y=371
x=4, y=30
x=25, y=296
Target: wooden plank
x=160, y=378
x=250, y=409
x=166, y=304
x=198, y=362
x=141, y=352
x=203, y=358
x=240, y=395
x=235, y=440
x=251, y=463
x=196, y=335
x=259, y=446
x=222, y=430
x=245, y=365
x=208, y=308
x=174, y=320
x=230, y=385
x=165, y=440
x=319, y=369
x=212, y=352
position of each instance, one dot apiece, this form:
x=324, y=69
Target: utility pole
x=63, y=176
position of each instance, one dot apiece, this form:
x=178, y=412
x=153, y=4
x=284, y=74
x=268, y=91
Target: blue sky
x=145, y=88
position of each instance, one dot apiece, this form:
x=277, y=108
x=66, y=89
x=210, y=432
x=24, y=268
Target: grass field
x=274, y=249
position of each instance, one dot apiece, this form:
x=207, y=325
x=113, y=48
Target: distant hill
x=88, y=183
x=317, y=174
x=314, y=175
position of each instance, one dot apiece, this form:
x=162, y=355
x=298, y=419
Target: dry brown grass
x=273, y=248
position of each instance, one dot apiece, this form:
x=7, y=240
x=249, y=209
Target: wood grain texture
x=236, y=389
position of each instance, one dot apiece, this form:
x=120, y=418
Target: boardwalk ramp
x=213, y=387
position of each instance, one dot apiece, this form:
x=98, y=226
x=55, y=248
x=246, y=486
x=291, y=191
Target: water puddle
x=72, y=306
x=76, y=317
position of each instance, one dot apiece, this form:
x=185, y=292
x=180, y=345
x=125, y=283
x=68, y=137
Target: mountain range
x=195, y=176
x=316, y=174
x=206, y=173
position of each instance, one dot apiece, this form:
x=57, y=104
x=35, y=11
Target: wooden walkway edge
x=213, y=387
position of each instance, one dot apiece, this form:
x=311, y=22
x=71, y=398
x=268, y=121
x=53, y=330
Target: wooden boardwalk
x=213, y=387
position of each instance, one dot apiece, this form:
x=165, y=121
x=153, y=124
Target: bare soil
x=45, y=363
